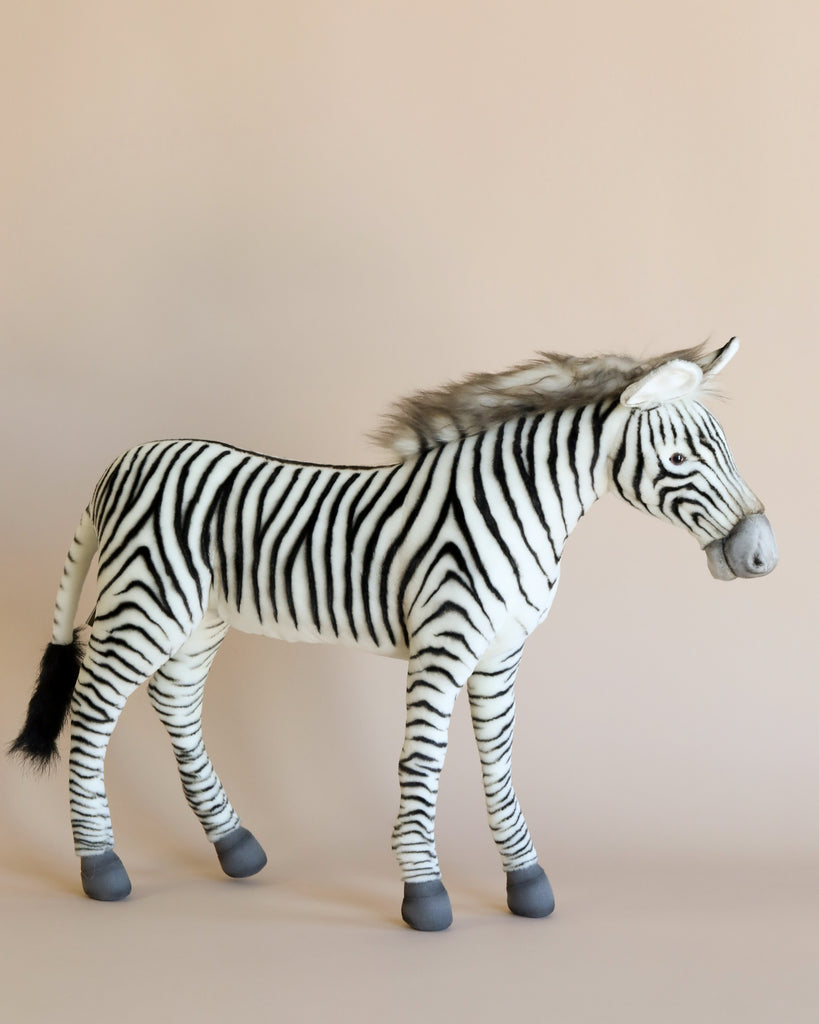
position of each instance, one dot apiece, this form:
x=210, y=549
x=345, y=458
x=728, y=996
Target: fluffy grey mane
x=428, y=419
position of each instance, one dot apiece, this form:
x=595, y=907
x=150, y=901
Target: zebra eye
x=677, y=459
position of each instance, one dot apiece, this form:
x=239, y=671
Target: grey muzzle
x=749, y=550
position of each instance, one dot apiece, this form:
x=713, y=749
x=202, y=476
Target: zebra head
x=675, y=463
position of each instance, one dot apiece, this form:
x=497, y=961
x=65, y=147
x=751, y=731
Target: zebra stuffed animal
x=447, y=559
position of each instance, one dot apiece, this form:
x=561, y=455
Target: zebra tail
x=60, y=665
x=49, y=704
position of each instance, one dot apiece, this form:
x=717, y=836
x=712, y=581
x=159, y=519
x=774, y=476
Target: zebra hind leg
x=111, y=670
x=177, y=693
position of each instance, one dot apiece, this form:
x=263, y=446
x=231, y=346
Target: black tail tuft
x=49, y=704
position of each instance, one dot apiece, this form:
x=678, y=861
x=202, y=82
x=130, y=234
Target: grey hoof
x=104, y=877
x=528, y=892
x=240, y=854
x=426, y=906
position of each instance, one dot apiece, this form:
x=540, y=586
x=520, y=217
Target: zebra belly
x=302, y=630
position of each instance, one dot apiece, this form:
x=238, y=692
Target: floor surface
x=659, y=942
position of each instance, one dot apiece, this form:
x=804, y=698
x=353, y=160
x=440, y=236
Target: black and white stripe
x=703, y=491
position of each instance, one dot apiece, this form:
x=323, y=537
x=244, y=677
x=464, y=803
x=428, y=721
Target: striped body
x=448, y=559
x=359, y=556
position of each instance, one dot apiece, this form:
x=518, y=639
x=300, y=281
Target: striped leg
x=432, y=687
x=492, y=706
x=177, y=693
x=115, y=664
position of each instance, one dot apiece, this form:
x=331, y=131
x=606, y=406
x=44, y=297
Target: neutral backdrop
x=263, y=222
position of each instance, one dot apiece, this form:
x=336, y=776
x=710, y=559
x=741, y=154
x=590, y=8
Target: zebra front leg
x=177, y=693
x=492, y=707
x=431, y=693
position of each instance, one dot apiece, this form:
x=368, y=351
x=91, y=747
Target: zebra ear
x=674, y=379
x=714, y=361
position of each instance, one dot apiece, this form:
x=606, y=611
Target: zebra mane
x=549, y=383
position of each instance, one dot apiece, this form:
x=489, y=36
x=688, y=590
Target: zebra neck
x=569, y=452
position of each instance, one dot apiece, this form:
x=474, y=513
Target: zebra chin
x=748, y=551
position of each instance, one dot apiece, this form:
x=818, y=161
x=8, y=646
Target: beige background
x=261, y=222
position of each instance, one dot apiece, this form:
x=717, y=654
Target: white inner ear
x=669, y=381
x=725, y=355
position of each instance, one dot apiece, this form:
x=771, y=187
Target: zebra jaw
x=748, y=551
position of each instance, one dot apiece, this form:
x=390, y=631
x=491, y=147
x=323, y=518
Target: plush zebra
x=447, y=559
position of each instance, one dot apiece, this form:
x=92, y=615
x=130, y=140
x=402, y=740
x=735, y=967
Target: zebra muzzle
x=749, y=550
